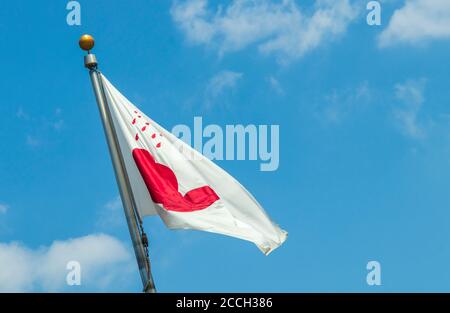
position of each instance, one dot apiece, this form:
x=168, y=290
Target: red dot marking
x=137, y=137
x=133, y=122
x=154, y=136
x=158, y=145
x=139, y=116
x=147, y=123
x=144, y=128
x=136, y=112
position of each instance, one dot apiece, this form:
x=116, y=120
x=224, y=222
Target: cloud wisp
x=219, y=83
x=3, y=208
x=275, y=85
x=341, y=103
x=111, y=215
x=406, y=113
x=40, y=127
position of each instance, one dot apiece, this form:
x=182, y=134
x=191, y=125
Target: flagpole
x=138, y=236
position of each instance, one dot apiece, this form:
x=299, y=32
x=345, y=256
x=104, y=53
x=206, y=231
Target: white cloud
x=418, y=21
x=278, y=28
x=407, y=112
x=105, y=263
x=3, y=208
x=219, y=83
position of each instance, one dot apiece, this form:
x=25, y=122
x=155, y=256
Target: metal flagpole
x=138, y=236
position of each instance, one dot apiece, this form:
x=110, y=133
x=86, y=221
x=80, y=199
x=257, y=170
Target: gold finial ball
x=86, y=42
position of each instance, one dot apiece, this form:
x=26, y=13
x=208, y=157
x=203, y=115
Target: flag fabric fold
x=188, y=191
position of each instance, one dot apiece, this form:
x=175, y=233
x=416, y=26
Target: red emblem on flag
x=162, y=184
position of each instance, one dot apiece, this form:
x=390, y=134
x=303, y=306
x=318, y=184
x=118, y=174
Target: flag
x=188, y=191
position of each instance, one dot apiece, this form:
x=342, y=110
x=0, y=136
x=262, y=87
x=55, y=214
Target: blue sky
x=364, y=141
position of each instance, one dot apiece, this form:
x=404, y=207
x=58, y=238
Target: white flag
x=185, y=189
